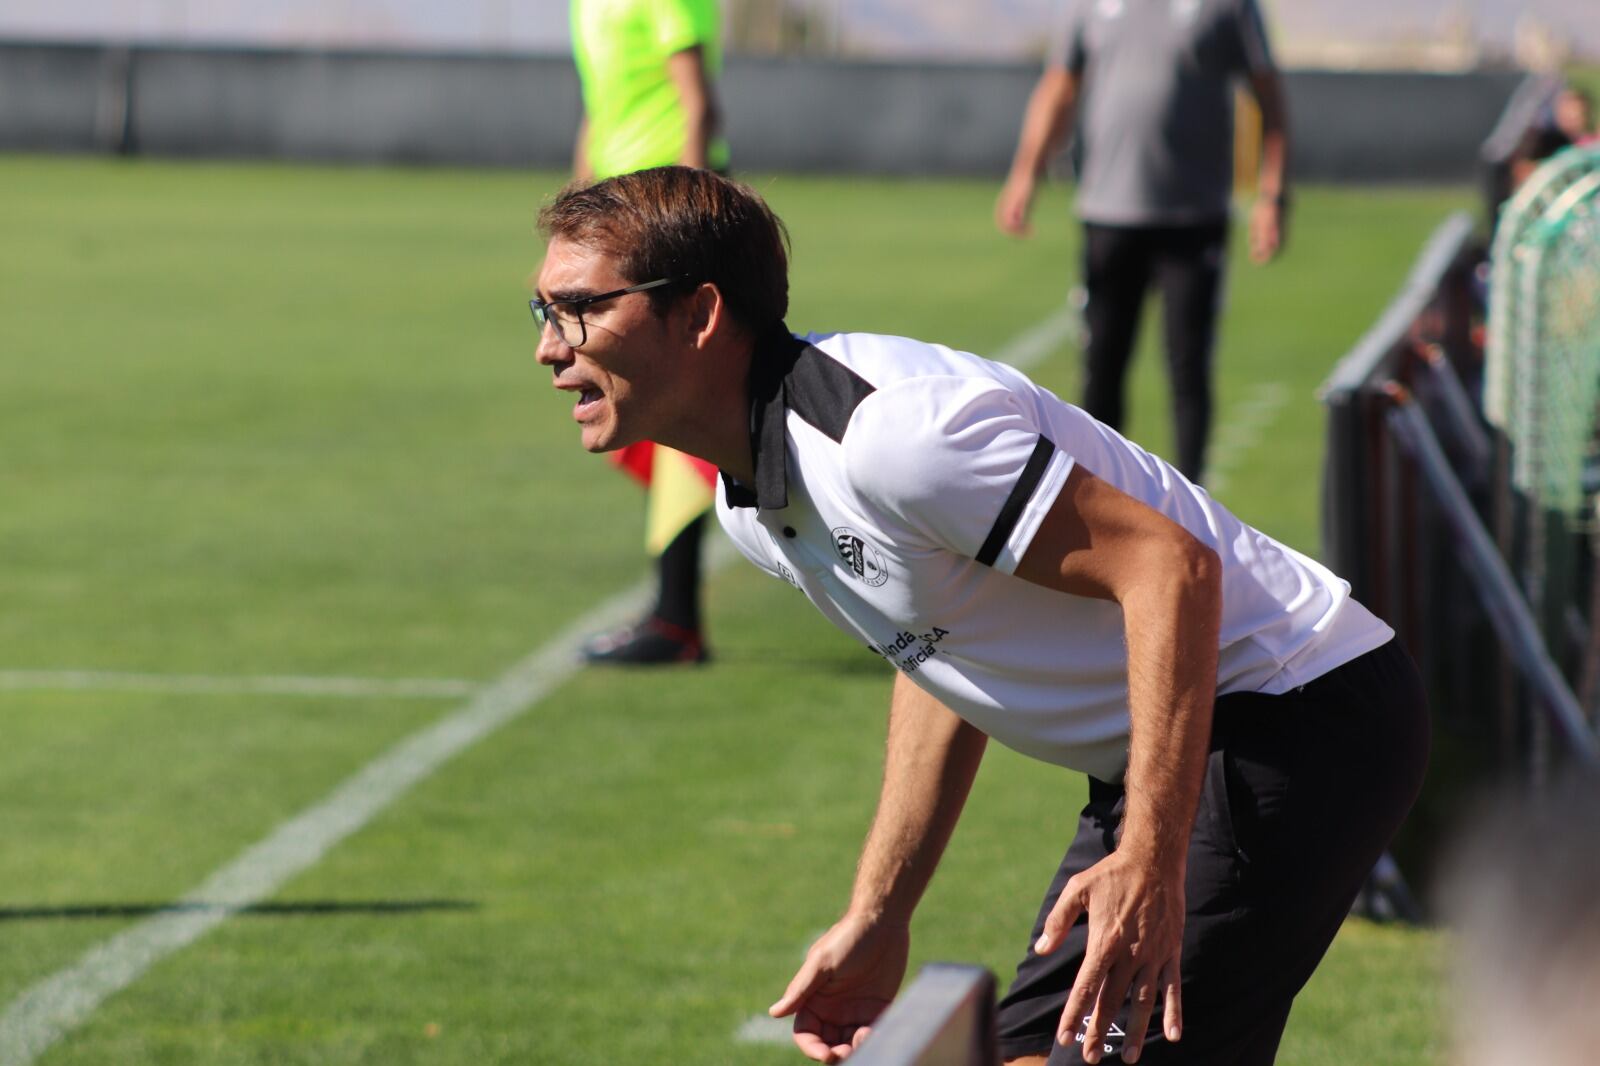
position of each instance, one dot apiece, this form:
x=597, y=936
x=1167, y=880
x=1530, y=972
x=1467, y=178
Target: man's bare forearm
x=1273, y=179
x=931, y=759
x=1273, y=182
x=1045, y=123
x=1172, y=631
x=1097, y=541
x=688, y=74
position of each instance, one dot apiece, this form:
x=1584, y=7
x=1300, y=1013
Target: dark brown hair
x=689, y=225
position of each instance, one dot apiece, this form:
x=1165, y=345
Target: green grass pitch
x=285, y=421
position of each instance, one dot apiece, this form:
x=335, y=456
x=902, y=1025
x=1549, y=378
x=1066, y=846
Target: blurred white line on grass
x=1030, y=347
x=404, y=688
x=1241, y=429
x=761, y=1029
x=54, y=1006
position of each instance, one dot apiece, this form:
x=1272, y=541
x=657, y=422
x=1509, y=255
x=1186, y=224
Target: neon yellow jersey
x=636, y=119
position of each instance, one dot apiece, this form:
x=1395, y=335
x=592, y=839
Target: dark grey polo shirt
x=1155, y=113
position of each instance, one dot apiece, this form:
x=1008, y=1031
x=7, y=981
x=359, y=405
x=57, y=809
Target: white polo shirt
x=898, y=484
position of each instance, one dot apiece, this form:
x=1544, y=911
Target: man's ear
x=707, y=314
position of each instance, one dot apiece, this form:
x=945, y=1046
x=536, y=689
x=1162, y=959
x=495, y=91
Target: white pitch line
x=764, y=1029
x=1241, y=430
x=54, y=1006
x=1030, y=347
x=405, y=688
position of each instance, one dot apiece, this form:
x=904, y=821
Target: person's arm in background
x=854, y=969
x=1097, y=541
x=1269, y=217
x=1045, y=126
x=687, y=69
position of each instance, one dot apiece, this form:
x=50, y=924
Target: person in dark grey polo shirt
x=1151, y=85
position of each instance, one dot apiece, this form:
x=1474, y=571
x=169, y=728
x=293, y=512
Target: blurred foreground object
x=945, y=1018
x=1524, y=895
x=1544, y=317
x=1541, y=387
x=1461, y=485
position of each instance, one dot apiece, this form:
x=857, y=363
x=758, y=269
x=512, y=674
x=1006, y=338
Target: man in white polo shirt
x=1035, y=578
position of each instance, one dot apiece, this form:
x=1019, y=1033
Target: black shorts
x=1302, y=793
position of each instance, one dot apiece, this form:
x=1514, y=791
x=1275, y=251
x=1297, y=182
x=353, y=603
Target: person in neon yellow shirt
x=648, y=69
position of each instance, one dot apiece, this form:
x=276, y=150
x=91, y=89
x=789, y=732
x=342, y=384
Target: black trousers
x=1303, y=792
x=1186, y=263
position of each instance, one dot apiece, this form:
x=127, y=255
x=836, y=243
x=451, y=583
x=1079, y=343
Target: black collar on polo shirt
x=775, y=355
x=788, y=374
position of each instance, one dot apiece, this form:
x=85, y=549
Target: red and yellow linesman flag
x=681, y=489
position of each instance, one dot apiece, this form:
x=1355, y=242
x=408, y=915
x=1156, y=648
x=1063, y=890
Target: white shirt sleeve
x=955, y=463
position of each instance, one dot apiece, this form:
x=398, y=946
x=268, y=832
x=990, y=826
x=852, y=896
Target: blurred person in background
x=1149, y=85
x=1573, y=111
x=1522, y=895
x=648, y=70
x=1537, y=144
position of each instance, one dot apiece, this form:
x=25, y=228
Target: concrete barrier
x=356, y=106
x=1394, y=125
x=54, y=98
x=879, y=118
x=829, y=115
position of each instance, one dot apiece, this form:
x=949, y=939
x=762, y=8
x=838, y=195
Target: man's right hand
x=1045, y=126
x=849, y=977
x=1016, y=201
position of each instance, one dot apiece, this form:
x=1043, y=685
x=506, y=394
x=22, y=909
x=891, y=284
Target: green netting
x=1542, y=375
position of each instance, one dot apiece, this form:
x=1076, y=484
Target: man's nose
x=551, y=348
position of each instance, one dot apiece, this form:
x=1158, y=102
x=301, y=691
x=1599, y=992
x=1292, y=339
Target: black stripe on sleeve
x=1021, y=493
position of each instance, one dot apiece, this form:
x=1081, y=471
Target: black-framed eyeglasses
x=566, y=316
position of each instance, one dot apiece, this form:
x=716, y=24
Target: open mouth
x=587, y=398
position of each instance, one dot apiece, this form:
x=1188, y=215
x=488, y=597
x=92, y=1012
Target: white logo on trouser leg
x=1116, y=1030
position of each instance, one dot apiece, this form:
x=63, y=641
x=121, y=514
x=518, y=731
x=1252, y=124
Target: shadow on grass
x=303, y=908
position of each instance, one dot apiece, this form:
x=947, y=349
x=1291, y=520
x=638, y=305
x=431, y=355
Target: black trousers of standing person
x=678, y=596
x=1303, y=791
x=1186, y=263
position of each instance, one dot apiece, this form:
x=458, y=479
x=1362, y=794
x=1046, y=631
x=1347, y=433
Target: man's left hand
x=1266, y=229
x=1136, y=914
x=849, y=978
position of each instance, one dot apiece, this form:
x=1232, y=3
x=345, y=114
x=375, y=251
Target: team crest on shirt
x=864, y=560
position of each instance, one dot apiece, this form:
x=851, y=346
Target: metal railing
x=1414, y=482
